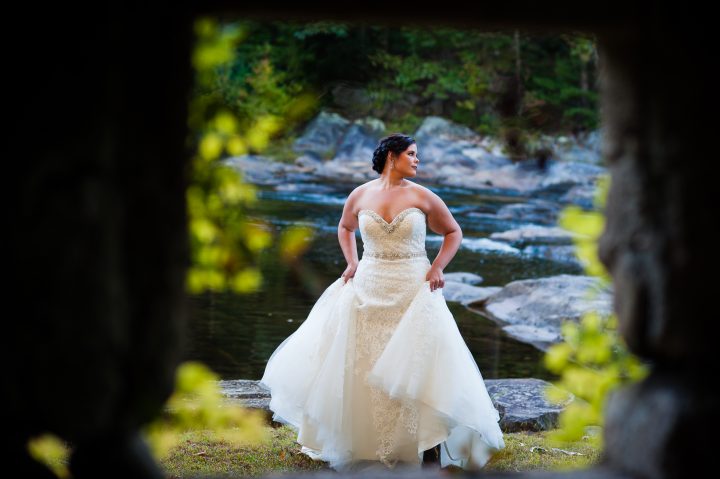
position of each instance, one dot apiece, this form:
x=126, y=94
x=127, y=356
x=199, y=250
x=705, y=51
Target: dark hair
x=396, y=143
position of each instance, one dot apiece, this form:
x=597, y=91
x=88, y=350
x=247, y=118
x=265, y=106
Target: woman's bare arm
x=346, y=235
x=441, y=221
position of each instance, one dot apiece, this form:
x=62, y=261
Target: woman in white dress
x=378, y=373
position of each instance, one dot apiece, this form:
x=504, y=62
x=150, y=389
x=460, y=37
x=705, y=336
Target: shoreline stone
x=533, y=310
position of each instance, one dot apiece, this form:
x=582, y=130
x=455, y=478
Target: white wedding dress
x=378, y=372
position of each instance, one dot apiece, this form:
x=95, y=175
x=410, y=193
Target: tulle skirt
x=379, y=373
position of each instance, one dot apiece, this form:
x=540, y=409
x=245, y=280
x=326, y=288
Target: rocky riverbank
x=333, y=148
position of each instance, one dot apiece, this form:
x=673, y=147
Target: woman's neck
x=387, y=182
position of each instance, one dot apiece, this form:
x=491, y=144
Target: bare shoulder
x=349, y=220
x=426, y=196
x=357, y=193
x=361, y=188
x=439, y=218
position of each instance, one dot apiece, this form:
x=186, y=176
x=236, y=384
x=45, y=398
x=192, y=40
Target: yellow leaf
x=50, y=450
x=247, y=280
x=226, y=123
x=265, y=126
x=236, y=146
x=211, y=146
x=557, y=356
x=257, y=238
x=203, y=229
x=294, y=241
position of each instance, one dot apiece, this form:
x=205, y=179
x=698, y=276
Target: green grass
x=201, y=454
x=519, y=454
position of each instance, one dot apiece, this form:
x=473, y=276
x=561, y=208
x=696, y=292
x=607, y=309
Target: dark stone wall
x=658, y=242
x=98, y=236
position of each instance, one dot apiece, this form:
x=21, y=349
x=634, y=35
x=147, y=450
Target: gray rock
x=435, y=127
x=533, y=234
x=354, y=171
x=488, y=245
x=521, y=402
x=510, y=177
x=533, y=310
x=571, y=173
x=526, y=407
x=559, y=253
x=322, y=136
x=443, y=142
x=444, y=172
x=538, y=211
x=593, y=141
x=249, y=392
x=292, y=173
x=581, y=195
x=466, y=293
x=257, y=169
x=585, y=148
x=447, y=152
x=485, y=158
x=360, y=141
x=309, y=160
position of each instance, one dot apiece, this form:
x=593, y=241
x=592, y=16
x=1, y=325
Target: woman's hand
x=349, y=272
x=435, y=276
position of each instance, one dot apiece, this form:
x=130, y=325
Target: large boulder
x=443, y=142
x=526, y=405
x=360, y=141
x=322, y=135
x=533, y=310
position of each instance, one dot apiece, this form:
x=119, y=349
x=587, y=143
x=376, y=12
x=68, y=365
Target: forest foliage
x=488, y=81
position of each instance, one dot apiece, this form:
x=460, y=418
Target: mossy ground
x=199, y=453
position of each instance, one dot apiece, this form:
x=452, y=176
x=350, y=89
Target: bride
x=378, y=373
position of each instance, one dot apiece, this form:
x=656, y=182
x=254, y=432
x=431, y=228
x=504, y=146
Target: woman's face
x=406, y=163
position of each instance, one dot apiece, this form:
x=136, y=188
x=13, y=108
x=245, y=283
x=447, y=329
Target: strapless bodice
x=403, y=237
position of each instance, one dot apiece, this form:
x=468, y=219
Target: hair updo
x=395, y=143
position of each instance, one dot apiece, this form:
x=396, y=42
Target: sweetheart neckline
x=377, y=215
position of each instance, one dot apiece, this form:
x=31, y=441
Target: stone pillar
x=659, y=243
x=99, y=233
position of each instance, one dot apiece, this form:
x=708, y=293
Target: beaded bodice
x=403, y=237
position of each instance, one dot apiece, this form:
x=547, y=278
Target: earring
x=392, y=164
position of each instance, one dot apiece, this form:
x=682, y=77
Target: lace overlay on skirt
x=388, y=414
x=379, y=371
